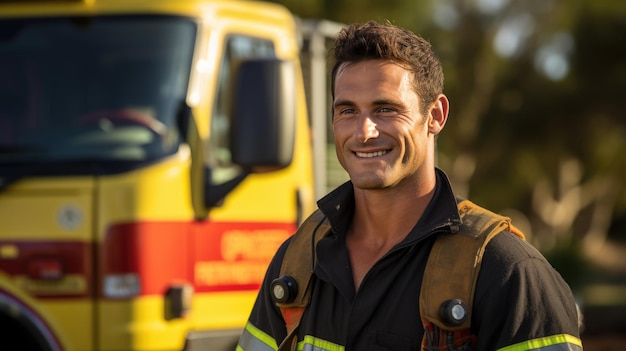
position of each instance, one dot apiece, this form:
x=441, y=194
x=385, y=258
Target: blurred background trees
x=537, y=128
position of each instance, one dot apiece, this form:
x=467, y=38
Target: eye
x=347, y=111
x=386, y=110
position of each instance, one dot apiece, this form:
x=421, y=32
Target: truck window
x=101, y=89
x=237, y=48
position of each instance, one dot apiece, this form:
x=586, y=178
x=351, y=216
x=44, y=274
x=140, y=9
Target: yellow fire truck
x=153, y=155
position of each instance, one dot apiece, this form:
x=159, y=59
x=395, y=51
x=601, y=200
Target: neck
x=387, y=215
x=382, y=219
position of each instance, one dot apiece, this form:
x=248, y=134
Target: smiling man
x=388, y=108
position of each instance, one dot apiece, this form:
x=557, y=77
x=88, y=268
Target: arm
x=265, y=328
x=521, y=302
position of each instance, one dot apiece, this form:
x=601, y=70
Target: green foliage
x=413, y=14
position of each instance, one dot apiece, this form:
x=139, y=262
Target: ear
x=438, y=114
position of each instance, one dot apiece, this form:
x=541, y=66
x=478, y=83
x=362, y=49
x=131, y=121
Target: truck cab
x=153, y=156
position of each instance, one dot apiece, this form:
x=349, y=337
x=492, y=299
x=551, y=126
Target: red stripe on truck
x=212, y=256
x=59, y=269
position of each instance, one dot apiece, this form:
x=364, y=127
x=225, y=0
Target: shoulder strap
x=298, y=264
x=454, y=263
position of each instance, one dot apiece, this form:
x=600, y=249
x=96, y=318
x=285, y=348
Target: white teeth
x=371, y=154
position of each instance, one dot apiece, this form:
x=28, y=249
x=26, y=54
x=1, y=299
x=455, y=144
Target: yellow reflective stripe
x=311, y=343
x=255, y=339
x=547, y=343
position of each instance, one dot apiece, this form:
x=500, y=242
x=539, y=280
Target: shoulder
x=513, y=269
x=282, y=249
x=508, y=258
x=507, y=249
x=273, y=270
x=515, y=279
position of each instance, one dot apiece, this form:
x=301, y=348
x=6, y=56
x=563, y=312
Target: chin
x=369, y=184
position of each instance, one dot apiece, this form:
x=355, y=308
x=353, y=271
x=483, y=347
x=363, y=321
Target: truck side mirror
x=263, y=121
x=263, y=114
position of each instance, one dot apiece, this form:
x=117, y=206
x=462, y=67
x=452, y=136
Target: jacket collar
x=440, y=214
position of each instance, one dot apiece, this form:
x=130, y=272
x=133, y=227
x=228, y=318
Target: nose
x=366, y=129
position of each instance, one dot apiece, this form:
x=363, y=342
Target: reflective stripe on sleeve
x=311, y=343
x=254, y=339
x=562, y=342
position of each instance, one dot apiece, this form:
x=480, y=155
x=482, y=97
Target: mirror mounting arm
x=214, y=194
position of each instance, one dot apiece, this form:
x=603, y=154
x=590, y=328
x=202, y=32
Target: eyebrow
x=386, y=102
x=343, y=103
x=379, y=102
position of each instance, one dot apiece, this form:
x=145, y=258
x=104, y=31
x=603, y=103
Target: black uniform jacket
x=520, y=300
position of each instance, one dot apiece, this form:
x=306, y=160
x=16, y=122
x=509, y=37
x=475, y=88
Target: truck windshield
x=92, y=90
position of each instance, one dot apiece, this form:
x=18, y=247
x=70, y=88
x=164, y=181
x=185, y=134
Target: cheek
x=410, y=151
x=414, y=145
x=341, y=131
x=340, y=136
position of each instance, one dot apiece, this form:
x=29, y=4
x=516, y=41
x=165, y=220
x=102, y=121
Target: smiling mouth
x=371, y=154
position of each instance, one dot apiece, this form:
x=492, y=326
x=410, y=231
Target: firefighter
x=388, y=109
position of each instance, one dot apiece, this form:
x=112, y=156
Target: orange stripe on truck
x=212, y=256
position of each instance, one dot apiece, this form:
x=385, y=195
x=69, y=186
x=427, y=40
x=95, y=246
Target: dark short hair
x=371, y=40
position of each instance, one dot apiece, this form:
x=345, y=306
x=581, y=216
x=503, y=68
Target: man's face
x=381, y=137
